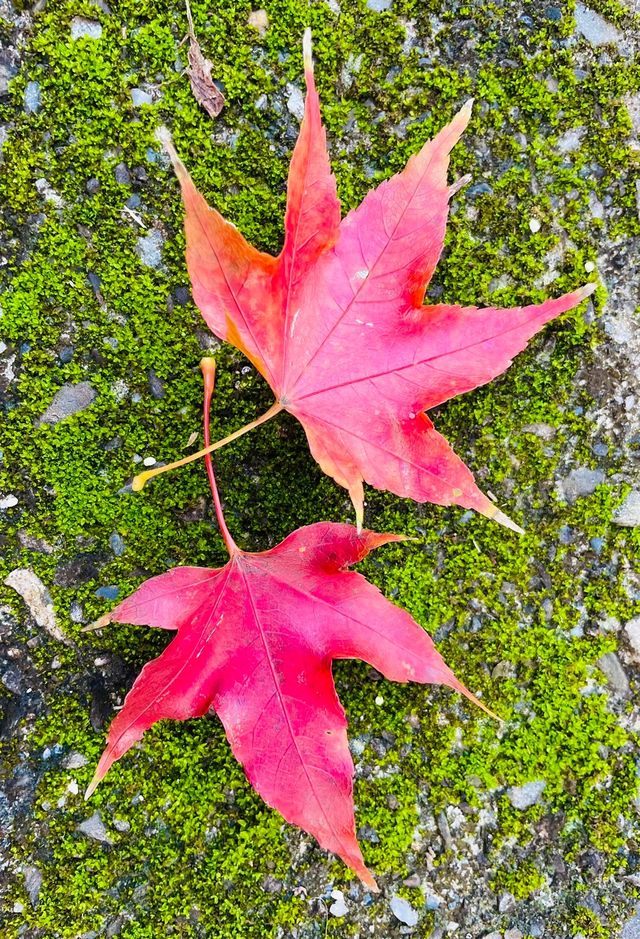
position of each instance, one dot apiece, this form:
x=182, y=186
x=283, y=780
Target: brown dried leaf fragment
x=199, y=72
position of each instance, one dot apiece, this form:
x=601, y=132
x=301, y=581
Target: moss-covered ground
x=194, y=851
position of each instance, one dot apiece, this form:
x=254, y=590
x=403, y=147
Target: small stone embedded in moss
x=69, y=400
x=611, y=667
x=403, y=911
x=38, y=600
x=259, y=20
x=594, y=28
x=338, y=907
x=580, y=482
x=32, y=101
x=628, y=514
x=94, y=828
x=82, y=28
x=632, y=629
x=149, y=248
x=523, y=797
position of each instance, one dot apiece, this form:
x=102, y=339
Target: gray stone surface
x=69, y=400
x=403, y=911
x=581, y=481
x=631, y=929
x=611, y=667
x=628, y=514
x=32, y=100
x=149, y=249
x=82, y=28
x=522, y=797
x=38, y=600
x=94, y=828
x=595, y=28
x=33, y=884
x=140, y=96
x=632, y=629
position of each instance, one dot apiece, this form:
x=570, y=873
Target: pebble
x=403, y=911
x=32, y=99
x=12, y=680
x=8, y=502
x=611, y=667
x=632, y=629
x=92, y=186
x=149, y=461
x=631, y=929
x=513, y=934
x=149, y=248
x=37, y=598
x=70, y=399
x=581, y=482
x=82, y=28
x=108, y=593
x=259, y=20
x=93, y=827
x=338, y=907
x=594, y=28
x=506, y=903
x=122, y=174
x=522, y=797
x=75, y=760
x=378, y=6
x=295, y=101
x=66, y=354
x=628, y=514
x=571, y=140
x=156, y=385
x=534, y=225
x=379, y=700
x=139, y=97
x=32, y=884
x=117, y=544
x=589, y=267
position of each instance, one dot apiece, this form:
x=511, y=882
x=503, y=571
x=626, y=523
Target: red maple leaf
x=255, y=642
x=337, y=326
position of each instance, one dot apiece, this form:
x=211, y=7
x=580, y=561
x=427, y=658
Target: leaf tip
x=98, y=624
x=586, y=291
x=369, y=881
x=93, y=785
x=493, y=512
x=307, y=50
x=163, y=136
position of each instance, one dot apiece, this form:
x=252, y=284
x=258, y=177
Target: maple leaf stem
x=208, y=369
x=141, y=479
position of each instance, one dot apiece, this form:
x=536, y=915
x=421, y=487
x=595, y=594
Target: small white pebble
x=8, y=502
x=534, y=225
x=73, y=787
x=136, y=458
x=589, y=266
x=259, y=20
x=379, y=700
x=149, y=461
x=62, y=801
x=18, y=908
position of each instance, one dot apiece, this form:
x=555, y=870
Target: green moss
x=200, y=843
